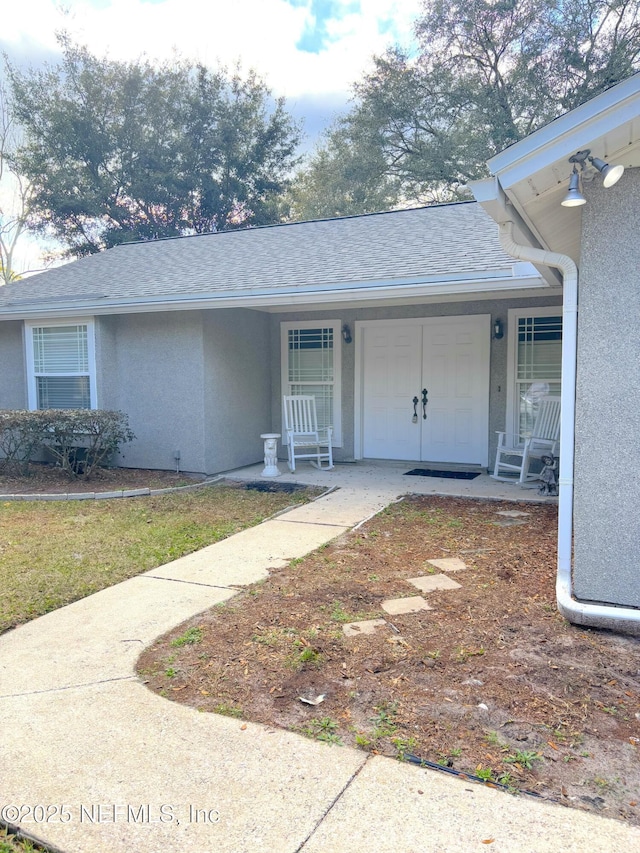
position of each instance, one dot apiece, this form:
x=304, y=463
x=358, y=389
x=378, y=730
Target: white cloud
x=261, y=33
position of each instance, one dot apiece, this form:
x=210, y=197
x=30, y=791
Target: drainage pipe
x=579, y=612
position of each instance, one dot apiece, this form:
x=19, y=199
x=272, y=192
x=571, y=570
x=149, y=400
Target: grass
x=341, y=616
x=190, y=637
x=323, y=730
x=10, y=843
x=54, y=553
x=523, y=758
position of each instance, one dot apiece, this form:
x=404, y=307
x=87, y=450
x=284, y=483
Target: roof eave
x=309, y=297
x=569, y=133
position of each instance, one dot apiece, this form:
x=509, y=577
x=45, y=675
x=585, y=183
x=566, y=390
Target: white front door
x=443, y=361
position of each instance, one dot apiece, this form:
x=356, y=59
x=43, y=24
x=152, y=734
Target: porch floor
x=388, y=478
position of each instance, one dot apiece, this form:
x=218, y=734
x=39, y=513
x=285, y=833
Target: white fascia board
x=503, y=207
x=570, y=133
x=523, y=279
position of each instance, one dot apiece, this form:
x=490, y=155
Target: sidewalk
x=118, y=768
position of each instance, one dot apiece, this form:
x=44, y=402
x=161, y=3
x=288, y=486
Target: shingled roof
x=429, y=244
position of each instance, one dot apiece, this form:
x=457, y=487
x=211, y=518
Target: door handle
x=425, y=400
x=415, y=402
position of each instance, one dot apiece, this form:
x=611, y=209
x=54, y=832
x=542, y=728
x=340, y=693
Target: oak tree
x=121, y=151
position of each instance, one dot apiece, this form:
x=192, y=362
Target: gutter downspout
x=581, y=613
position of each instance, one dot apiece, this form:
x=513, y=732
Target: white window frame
x=30, y=325
x=336, y=326
x=514, y=315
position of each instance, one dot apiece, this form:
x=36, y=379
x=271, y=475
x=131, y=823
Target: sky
x=310, y=51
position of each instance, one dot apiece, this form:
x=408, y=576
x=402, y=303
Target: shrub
x=80, y=440
x=21, y=436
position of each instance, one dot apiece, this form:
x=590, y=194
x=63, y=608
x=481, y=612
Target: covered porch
x=390, y=480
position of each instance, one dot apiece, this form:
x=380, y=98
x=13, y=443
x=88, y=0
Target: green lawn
x=55, y=553
x=9, y=843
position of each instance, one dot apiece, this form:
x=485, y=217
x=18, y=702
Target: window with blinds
x=538, y=370
x=61, y=366
x=311, y=358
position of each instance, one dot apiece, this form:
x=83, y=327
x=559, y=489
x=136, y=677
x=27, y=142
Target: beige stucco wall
x=151, y=366
x=237, y=392
x=207, y=383
x=607, y=466
x=497, y=308
x=194, y=381
x=13, y=382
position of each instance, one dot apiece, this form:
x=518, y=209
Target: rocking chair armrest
x=502, y=435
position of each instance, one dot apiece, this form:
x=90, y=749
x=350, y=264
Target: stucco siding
x=237, y=391
x=607, y=467
x=13, y=382
x=151, y=366
x=497, y=308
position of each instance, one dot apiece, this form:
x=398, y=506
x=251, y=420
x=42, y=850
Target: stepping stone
x=513, y=513
x=449, y=564
x=508, y=522
x=355, y=629
x=399, y=606
x=430, y=583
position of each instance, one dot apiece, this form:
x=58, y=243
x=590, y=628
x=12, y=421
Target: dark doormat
x=265, y=486
x=451, y=475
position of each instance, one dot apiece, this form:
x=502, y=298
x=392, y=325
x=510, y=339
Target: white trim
x=358, y=343
x=47, y=322
x=336, y=326
x=572, y=131
x=496, y=282
x=514, y=314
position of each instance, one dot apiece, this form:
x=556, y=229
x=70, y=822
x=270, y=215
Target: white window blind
x=538, y=365
x=61, y=366
x=60, y=349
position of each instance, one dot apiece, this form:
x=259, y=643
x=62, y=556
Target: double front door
x=426, y=389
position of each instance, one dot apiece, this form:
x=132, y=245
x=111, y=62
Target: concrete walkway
x=92, y=761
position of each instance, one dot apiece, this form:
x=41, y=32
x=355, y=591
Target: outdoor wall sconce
x=498, y=330
x=346, y=334
x=610, y=176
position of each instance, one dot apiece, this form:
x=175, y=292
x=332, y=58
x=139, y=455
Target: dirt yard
x=491, y=683
x=50, y=479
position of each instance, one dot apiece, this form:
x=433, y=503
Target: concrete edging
x=120, y=493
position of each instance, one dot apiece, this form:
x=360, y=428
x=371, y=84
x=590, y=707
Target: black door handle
x=425, y=400
x=415, y=402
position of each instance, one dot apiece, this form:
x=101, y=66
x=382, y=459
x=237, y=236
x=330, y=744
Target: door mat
x=451, y=475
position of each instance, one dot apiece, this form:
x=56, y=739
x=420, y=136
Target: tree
x=486, y=74
x=15, y=194
x=131, y=151
x=342, y=179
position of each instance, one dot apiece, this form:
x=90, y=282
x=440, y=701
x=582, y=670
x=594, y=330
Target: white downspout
x=581, y=613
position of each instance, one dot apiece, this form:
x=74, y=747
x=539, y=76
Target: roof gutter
x=579, y=612
x=285, y=298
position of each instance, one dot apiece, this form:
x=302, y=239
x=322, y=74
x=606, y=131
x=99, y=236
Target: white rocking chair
x=521, y=450
x=302, y=432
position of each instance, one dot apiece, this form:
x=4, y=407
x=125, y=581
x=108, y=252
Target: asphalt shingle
x=439, y=242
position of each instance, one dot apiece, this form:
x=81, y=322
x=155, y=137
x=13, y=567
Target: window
x=311, y=365
x=61, y=365
x=535, y=364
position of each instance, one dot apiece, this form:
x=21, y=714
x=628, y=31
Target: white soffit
x=534, y=173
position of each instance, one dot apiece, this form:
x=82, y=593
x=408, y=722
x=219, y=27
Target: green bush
x=80, y=440
x=21, y=436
